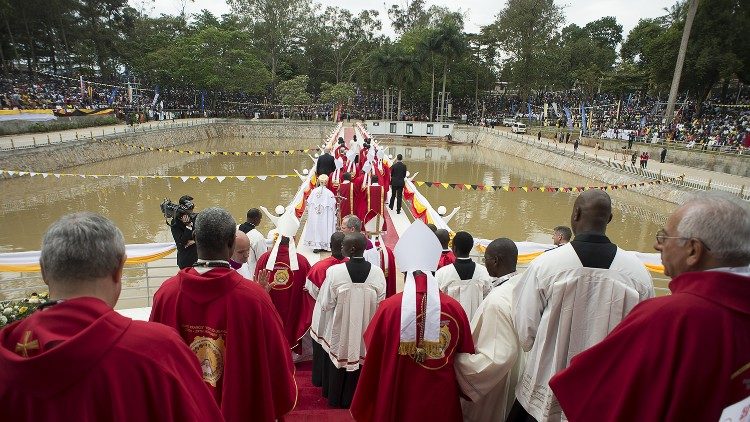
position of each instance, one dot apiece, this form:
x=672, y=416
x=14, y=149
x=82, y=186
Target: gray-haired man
x=71, y=357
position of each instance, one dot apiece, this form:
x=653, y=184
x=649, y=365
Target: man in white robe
x=350, y=294
x=321, y=217
x=464, y=280
x=258, y=245
x=569, y=299
x=489, y=377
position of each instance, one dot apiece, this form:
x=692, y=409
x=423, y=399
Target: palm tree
x=429, y=46
x=382, y=72
x=407, y=70
x=451, y=43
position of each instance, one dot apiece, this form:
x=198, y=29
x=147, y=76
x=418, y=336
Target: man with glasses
x=685, y=356
x=569, y=299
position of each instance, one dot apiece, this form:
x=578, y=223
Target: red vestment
x=446, y=258
x=347, y=193
x=373, y=204
x=682, y=357
x=390, y=270
x=384, y=177
x=360, y=196
x=231, y=325
x=86, y=362
x=294, y=304
x=395, y=387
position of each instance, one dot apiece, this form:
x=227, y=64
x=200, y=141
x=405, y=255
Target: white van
x=518, y=127
x=508, y=121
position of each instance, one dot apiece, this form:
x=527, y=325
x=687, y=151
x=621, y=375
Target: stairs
x=311, y=405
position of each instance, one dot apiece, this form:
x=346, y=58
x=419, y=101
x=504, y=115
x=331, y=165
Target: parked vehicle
x=518, y=128
x=508, y=121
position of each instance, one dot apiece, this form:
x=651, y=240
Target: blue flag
x=112, y=96
x=583, y=117
x=529, y=110
x=568, y=117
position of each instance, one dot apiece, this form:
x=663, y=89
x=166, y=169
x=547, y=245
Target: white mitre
x=287, y=227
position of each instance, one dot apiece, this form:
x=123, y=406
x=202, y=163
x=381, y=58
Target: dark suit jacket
x=326, y=164
x=398, y=174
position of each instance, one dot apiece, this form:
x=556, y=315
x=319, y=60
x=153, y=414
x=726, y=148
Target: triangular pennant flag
x=32, y=174
x=82, y=176
x=237, y=153
x=282, y=176
x=184, y=178
x=428, y=184
x=468, y=187
x=57, y=175
x=506, y=188
x=419, y=183
x=452, y=185
x=262, y=153
x=11, y=172
x=202, y=178
x=512, y=188
x=45, y=175
x=262, y=177
x=445, y=185
x=22, y=173
x=95, y=176
x=241, y=178
x=525, y=189
x=220, y=178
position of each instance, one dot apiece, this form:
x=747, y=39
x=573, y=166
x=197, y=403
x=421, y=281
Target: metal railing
x=622, y=165
x=139, y=282
x=43, y=140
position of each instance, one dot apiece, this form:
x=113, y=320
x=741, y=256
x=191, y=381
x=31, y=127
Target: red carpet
x=311, y=406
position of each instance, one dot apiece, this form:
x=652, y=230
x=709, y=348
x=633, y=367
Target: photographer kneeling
x=182, y=232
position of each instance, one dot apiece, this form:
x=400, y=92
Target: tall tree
x=524, y=30
x=277, y=26
x=451, y=43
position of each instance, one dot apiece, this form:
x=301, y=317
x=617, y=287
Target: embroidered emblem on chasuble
x=26, y=344
x=449, y=335
x=282, y=276
x=208, y=345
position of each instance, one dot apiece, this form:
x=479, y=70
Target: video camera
x=173, y=210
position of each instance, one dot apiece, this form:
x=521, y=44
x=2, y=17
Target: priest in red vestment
x=447, y=257
x=682, y=357
x=315, y=279
x=374, y=204
x=231, y=326
x=346, y=194
x=286, y=273
x=412, y=341
x=361, y=182
x=76, y=359
x=381, y=255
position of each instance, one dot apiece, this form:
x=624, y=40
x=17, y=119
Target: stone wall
x=496, y=142
x=271, y=135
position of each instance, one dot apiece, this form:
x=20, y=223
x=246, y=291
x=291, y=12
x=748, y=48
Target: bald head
x=500, y=257
x=444, y=237
x=241, y=247
x=592, y=212
x=354, y=245
x=337, y=242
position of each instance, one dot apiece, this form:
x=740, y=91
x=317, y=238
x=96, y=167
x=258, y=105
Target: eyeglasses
x=661, y=235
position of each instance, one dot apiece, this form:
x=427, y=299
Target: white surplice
x=321, y=218
x=470, y=293
x=489, y=376
x=561, y=308
x=351, y=306
x=258, y=247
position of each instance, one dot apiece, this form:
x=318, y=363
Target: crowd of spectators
x=718, y=126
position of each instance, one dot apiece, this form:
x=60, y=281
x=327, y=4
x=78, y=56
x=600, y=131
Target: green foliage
x=15, y=310
x=294, y=91
x=339, y=93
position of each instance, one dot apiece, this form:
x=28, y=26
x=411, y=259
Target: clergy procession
x=389, y=319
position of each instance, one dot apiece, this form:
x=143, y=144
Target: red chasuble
x=317, y=274
x=390, y=270
x=81, y=361
x=683, y=357
x=233, y=328
x=446, y=258
x=294, y=304
x=347, y=194
x=393, y=387
x=360, y=196
x=374, y=204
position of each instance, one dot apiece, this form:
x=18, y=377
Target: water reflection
x=31, y=204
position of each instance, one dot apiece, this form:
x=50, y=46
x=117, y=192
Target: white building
x=408, y=128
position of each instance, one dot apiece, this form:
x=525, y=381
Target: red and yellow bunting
x=548, y=189
x=200, y=178
x=197, y=152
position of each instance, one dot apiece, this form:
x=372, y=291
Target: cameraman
x=182, y=232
